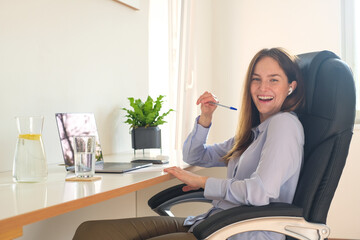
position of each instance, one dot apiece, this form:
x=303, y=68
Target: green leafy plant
x=145, y=114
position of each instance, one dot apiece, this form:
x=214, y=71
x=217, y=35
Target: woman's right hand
x=207, y=108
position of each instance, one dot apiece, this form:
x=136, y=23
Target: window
x=164, y=42
x=351, y=43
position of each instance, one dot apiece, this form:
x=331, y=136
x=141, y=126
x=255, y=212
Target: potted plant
x=144, y=120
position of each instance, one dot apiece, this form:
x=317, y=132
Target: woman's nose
x=263, y=85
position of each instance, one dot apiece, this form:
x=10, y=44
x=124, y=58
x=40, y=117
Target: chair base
x=296, y=227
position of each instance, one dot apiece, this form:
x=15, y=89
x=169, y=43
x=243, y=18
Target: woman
x=263, y=159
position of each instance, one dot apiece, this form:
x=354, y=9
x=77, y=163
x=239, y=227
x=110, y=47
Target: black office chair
x=328, y=120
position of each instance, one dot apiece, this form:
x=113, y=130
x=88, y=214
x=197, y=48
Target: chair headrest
x=330, y=96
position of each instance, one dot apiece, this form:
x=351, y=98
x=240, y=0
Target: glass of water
x=84, y=149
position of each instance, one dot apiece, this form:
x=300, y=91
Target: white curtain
x=182, y=68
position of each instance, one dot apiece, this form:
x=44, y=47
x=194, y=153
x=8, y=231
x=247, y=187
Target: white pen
x=218, y=104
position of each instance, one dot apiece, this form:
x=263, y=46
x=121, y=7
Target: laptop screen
x=76, y=124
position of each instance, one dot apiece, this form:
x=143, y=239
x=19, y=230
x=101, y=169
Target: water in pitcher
x=29, y=160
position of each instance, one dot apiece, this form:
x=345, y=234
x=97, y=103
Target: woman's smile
x=264, y=98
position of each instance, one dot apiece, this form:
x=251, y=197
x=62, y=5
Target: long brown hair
x=249, y=115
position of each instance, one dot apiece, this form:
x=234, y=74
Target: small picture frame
x=134, y=4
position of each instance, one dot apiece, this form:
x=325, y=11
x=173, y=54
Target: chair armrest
x=164, y=200
x=277, y=217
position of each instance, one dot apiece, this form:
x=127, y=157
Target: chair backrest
x=328, y=120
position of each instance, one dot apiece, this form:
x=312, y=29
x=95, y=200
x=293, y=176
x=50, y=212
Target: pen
x=218, y=104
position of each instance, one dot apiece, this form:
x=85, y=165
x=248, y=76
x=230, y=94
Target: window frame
x=348, y=46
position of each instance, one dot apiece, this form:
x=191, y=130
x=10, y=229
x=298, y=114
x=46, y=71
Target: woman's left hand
x=192, y=181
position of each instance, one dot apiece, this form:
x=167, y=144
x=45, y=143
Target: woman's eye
x=274, y=80
x=255, y=79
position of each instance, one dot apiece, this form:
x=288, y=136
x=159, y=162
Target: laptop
x=75, y=124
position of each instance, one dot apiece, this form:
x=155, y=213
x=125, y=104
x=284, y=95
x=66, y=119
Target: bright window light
x=351, y=43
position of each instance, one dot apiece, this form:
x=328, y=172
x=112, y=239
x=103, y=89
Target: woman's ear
x=293, y=85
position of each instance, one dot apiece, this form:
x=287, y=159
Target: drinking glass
x=84, y=149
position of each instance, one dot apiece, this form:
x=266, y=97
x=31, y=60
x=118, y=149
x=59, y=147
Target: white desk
x=26, y=203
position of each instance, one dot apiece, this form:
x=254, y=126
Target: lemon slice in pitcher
x=30, y=136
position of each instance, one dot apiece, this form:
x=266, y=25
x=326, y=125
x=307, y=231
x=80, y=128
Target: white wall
x=70, y=56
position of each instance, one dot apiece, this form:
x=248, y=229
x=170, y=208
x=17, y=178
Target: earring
x=290, y=91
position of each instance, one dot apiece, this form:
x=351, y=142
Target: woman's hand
x=207, y=108
x=192, y=181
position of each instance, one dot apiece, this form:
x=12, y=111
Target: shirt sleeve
x=196, y=152
x=280, y=159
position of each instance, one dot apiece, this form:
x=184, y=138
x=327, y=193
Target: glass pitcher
x=29, y=160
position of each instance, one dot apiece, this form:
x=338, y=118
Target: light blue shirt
x=268, y=170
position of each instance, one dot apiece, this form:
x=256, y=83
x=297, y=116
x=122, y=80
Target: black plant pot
x=143, y=138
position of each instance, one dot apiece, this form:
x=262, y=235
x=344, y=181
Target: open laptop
x=75, y=124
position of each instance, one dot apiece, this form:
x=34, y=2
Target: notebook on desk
x=75, y=124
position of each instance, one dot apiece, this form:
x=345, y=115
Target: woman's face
x=269, y=87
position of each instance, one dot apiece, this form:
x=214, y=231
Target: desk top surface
x=24, y=203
